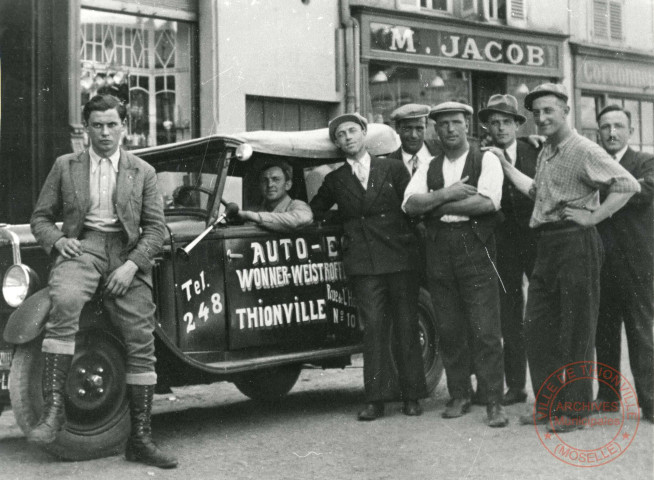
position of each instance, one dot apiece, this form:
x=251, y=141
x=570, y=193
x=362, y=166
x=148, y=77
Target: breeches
x=73, y=282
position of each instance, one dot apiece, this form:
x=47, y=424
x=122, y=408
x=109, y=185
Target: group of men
x=489, y=217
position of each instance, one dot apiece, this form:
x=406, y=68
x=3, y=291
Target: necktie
x=508, y=157
x=360, y=172
x=413, y=161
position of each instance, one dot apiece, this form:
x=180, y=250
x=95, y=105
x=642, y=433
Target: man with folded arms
x=459, y=194
x=563, y=298
x=627, y=278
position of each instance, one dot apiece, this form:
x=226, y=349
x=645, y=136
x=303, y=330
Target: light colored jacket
x=139, y=206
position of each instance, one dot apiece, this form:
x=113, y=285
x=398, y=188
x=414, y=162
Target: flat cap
x=450, y=107
x=543, y=89
x=346, y=117
x=410, y=111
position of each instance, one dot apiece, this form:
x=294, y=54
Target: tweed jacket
x=378, y=238
x=139, y=206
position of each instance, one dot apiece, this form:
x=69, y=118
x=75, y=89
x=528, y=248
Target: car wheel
x=430, y=347
x=268, y=384
x=97, y=409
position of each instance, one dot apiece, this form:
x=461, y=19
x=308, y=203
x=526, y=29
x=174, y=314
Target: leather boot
x=53, y=417
x=140, y=447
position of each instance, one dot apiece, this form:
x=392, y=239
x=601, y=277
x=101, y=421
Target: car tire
x=268, y=384
x=97, y=407
x=429, y=342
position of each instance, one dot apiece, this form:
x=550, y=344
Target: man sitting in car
x=278, y=211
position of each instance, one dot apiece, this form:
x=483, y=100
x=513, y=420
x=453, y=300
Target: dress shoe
x=372, y=411
x=513, y=395
x=457, y=407
x=496, y=416
x=565, y=424
x=412, y=408
x=528, y=419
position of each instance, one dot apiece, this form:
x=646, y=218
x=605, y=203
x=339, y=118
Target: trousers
x=562, y=309
x=388, y=307
x=464, y=291
x=516, y=254
x=73, y=282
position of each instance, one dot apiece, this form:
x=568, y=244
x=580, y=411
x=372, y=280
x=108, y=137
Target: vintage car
x=239, y=304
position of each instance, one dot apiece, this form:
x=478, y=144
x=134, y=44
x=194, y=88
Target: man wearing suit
x=380, y=259
x=626, y=279
x=516, y=242
x=459, y=194
x=410, y=124
x=113, y=226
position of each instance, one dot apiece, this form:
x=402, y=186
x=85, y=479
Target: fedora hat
x=499, y=103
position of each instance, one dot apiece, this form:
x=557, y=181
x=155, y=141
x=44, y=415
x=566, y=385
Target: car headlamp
x=19, y=282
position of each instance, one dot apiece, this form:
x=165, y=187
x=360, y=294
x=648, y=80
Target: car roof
x=380, y=140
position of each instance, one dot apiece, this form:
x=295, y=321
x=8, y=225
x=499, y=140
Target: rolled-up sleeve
x=491, y=179
x=297, y=215
x=418, y=183
x=600, y=170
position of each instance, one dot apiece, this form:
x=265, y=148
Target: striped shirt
x=571, y=174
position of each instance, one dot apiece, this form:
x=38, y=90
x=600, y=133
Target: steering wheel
x=183, y=197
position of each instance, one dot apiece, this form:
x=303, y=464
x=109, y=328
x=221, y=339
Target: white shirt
x=620, y=153
x=424, y=157
x=489, y=184
x=365, y=162
x=102, y=190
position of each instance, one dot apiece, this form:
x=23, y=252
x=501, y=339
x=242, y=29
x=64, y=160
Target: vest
x=483, y=225
x=516, y=206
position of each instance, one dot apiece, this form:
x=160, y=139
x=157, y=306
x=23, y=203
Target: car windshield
x=187, y=178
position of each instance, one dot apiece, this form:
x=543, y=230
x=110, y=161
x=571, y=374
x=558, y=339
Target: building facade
x=196, y=67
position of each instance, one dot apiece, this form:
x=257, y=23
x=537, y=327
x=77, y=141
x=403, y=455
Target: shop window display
x=146, y=62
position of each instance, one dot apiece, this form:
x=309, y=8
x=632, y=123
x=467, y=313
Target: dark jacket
x=377, y=237
x=628, y=236
x=139, y=206
x=433, y=147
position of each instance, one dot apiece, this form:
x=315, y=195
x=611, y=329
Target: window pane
x=391, y=86
x=633, y=107
x=116, y=55
x=588, y=117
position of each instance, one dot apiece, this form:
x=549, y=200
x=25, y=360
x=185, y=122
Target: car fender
x=28, y=320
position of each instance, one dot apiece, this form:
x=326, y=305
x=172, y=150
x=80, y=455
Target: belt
x=553, y=228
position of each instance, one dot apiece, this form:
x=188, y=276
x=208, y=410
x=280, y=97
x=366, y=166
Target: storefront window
x=146, y=62
x=589, y=110
x=391, y=86
x=642, y=121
